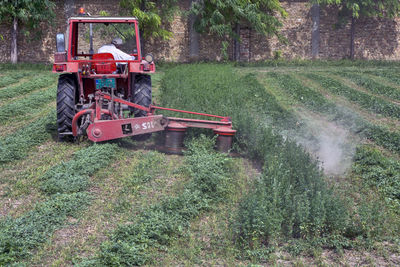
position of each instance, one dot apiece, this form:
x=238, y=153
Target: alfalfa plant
x=38, y=82
x=28, y=104
x=158, y=225
x=65, y=185
x=17, y=145
x=366, y=101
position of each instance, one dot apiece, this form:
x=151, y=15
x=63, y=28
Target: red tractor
x=107, y=98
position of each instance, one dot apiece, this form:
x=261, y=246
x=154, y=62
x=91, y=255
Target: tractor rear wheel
x=141, y=95
x=66, y=92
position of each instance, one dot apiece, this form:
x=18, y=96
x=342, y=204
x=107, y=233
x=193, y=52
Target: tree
x=27, y=13
x=222, y=17
x=152, y=16
x=354, y=9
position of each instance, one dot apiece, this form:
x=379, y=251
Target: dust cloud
x=332, y=145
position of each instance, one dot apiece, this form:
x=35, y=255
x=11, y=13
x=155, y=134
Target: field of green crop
x=316, y=182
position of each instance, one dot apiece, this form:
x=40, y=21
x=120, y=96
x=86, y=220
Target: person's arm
x=123, y=56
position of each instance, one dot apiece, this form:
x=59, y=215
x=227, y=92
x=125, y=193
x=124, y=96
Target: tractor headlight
x=149, y=58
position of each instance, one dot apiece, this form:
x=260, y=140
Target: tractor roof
x=103, y=19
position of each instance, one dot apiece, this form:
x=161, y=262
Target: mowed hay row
x=9, y=78
x=12, y=126
x=156, y=226
x=40, y=81
x=366, y=101
x=29, y=104
x=371, y=85
x=16, y=145
x=388, y=74
x=66, y=186
x=19, y=186
x=317, y=102
x=135, y=181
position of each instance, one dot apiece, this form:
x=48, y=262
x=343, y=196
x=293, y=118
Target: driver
x=113, y=48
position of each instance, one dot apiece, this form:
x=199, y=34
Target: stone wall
x=374, y=38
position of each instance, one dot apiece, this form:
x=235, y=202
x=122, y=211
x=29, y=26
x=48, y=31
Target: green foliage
x=11, y=68
x=291, y=199
x=354, y=122
x=365, y=8
x=11, y=78
x=389, y=74
x=371, y=85
x=145, y=169
x=366, y=101
x=155, y=227
x=219, y=17
x=27, y=105
x=63, y=184
x=223, y=93
x=377, y=170
x=153, y=16
x=17, y=145
x=38, y=82
x=18, y=236
x=73, y=176
x=30, y=12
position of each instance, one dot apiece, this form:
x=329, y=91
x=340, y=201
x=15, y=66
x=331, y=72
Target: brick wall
x=374, y=38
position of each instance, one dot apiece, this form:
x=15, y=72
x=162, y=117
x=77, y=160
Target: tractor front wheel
x=141, y=95
x=66, y=92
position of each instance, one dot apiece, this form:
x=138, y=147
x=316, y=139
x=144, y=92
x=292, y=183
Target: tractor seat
x=104, y=67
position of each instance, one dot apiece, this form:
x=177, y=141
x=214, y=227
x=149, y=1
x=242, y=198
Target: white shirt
x=117, y=54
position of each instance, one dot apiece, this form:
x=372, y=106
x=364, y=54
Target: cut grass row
x=19, y=236
x=389, y=74
x=157, y=226
x=17, y=145
x=132, y=183
x=12, y=77
x=315, y=101
x=368, y=102
x=371, y=85
x=38, y=82
x=28, y=104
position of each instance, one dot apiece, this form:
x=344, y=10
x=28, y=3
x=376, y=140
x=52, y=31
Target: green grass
x=371, y=85
x=297, y=179
x=16, y=146
x=152, y=209
x=12, y=78
x=316, y=102
x=382, y=172
x=38, y=82
x=66, y=185
x=27, y=105
x=158, y=225
x=366, y=101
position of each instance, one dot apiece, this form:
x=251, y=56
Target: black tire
x=66, y=92
x=141, y=95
